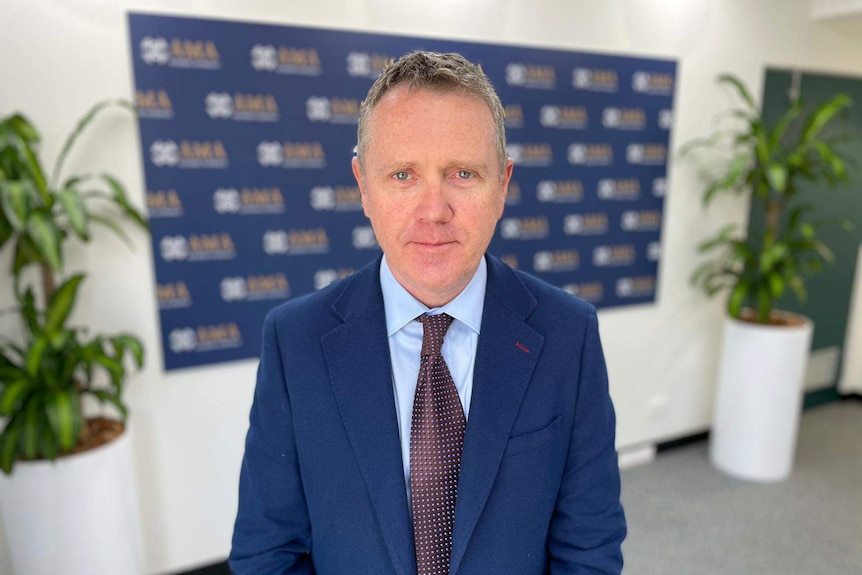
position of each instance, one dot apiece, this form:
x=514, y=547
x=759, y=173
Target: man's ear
x=504, y=184
x=360, y=181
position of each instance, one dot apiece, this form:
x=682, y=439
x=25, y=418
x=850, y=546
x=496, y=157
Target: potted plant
x=66, y=499
x=765, y=350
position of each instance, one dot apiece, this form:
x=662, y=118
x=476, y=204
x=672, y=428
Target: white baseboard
x=636, y=456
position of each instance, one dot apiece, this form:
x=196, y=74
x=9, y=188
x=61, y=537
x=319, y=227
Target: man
x=371, y=450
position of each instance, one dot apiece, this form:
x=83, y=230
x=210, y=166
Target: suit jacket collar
x=357, y=356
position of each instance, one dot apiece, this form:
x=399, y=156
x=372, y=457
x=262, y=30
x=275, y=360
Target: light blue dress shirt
x=405, y=344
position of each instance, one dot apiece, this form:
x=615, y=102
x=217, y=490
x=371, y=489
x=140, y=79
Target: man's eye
x=401, y=176
x=465, y=174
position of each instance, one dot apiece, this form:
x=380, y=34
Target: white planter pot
x=759, y=400
x=76, y=516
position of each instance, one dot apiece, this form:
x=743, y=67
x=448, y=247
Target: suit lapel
x=357, y=356
x=505, y=358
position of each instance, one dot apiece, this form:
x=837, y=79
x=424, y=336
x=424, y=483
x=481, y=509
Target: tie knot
x=433, y=330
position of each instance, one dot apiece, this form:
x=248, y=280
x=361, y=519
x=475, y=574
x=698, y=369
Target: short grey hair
x=439, y=73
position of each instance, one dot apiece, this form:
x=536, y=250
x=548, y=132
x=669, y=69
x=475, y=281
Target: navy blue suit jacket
x=322, y=484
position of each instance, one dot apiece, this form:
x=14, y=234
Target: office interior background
x=57, y=57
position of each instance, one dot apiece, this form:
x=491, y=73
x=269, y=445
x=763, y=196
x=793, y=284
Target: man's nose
x=434, y=203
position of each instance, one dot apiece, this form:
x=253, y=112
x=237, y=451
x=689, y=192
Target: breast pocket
x=533, y=440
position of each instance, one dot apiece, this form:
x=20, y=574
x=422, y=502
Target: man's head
x=436, y=73
x=432, y=171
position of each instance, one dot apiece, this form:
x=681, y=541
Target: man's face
x=432, y=188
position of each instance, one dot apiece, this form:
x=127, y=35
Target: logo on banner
x=365, y=65
x=595, y=80
x=659, y=187
x=560, y=191
x=556, y=260
x=590, y=154
x=530, y=155
x=514, y=116
x=272, y=154
x=333, y=110
x=640, y=286
x=665, y=119
x=248, y=201
x=173, y=295
x=188, y=154
x=296, y=242
x=641, y=221
x=529, y=228
x=652, y=83
x=585, y=224
x=324, y=277
x=205, y=338
x=285, y=60
x=164, y=204
x=646, y=154
x=254, y=287
x=180, y=53
x=619, y=189
x=653, y=251
x=197, y=247
x=336, y=198
x=513, y=194
x=154, y=105
x=564, y=117
x=624, y=118
x=531, y=76
x=364, y=238
x=242, y=107
x=613, y=256
x=592, y=292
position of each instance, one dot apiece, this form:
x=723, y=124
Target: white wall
x=835, y=8
x=59, y=56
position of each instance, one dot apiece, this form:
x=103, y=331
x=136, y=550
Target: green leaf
x=28, y=311
x=9, y=445
x=46, y=238
x=33, y=417
x=740, y=88
x=110, y=224
x=786, y=120
x=82, y=125
x=25, y=254
x=798, y=285
x=15, y=200
x=777, y=175
x=14, y=393
x=821, y=116
x=114, y=399
x=26, y=139
x=121, y=199
x=48, y=444
x=23, y=128
x=133, y=345
x=64, y=415
x=34, y=355
x=737, y=299
x=61, y=304
x=776, y=285
x=76, y=210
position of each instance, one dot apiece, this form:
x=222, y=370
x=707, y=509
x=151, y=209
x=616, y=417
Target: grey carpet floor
x=685, y=518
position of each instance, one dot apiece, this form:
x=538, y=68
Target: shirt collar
x=402, y=308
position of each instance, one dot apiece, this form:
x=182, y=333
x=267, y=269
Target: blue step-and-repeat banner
x=247, y=132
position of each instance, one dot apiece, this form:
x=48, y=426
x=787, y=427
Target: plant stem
x=48, y=286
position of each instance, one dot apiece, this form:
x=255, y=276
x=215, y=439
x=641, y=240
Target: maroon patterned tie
x=436, y=439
